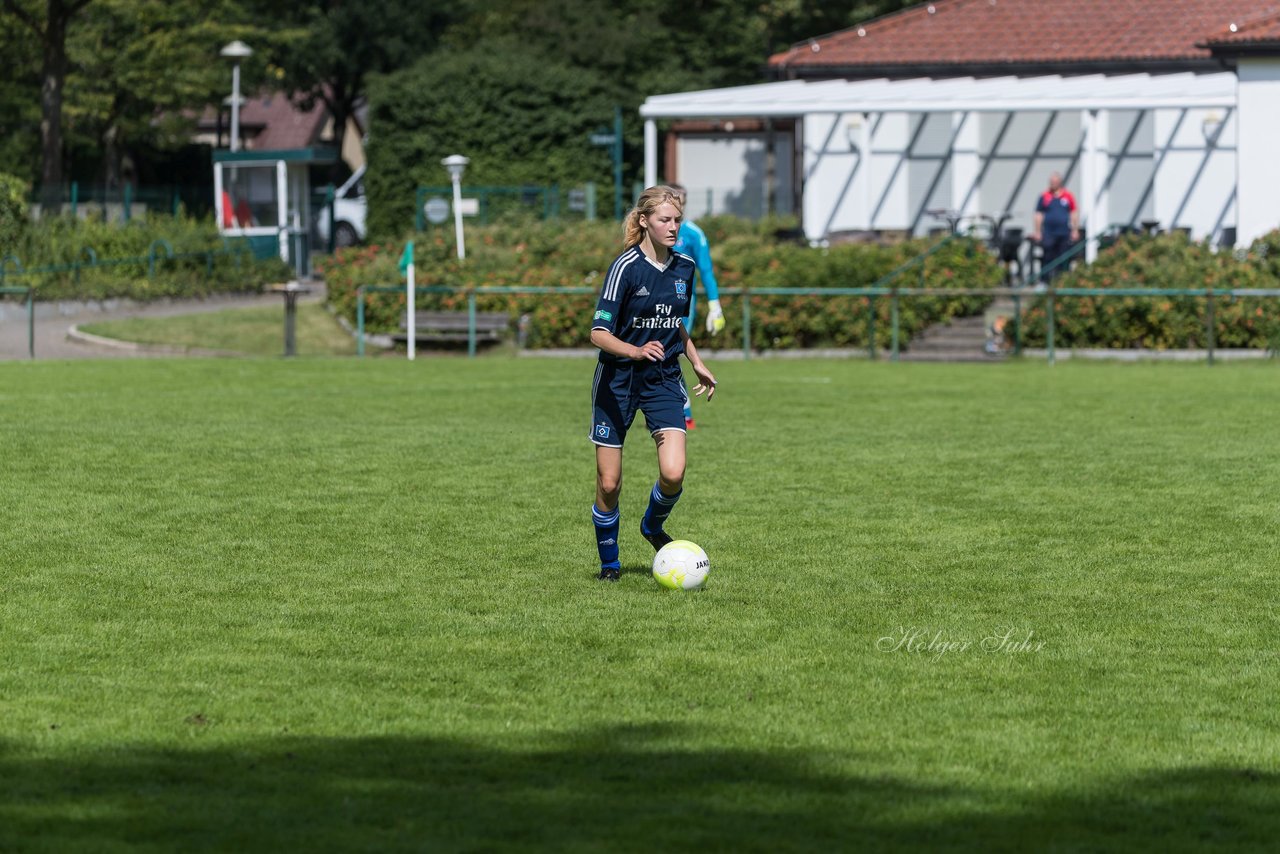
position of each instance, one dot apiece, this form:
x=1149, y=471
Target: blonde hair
x=649, y=202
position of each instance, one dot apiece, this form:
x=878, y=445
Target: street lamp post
x=236, y=51
x=232, y=103
x=457, y=164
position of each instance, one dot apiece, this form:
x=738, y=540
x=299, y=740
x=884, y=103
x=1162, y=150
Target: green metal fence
x=493, y=202
x=126, y=201
x=894, y=294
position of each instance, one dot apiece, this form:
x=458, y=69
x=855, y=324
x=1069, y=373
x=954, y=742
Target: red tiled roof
x=1262, y=30
x=284, y=126
x=270, y=122
x=1027, y=32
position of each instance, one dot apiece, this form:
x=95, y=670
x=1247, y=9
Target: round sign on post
x=436, y=209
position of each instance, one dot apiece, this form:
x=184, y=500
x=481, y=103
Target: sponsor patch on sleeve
x=605, y=316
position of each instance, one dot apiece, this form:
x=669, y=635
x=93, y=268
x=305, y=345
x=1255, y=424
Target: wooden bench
x=452, y=326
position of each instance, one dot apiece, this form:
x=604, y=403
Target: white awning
x=793, y=98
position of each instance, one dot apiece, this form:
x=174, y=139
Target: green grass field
x=251, y=331
x=349, y=605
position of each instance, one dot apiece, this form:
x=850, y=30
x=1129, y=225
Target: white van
x=349, y=209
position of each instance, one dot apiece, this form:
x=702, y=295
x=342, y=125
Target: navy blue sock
x=660, y=507
x=607, y=536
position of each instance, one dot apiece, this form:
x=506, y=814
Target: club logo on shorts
x=602, y=430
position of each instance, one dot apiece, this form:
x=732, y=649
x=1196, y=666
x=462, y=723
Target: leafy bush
x=69, y=246
x=782, y=322
x=745, y=255
x=13, y=212
x=1266, y=251
x=1162, y=322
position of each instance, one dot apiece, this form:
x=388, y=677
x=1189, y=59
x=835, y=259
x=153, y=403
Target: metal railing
x=895, y=294
x=1063, y=262
x=491, y=201
x=472, y=294
x=119, y=202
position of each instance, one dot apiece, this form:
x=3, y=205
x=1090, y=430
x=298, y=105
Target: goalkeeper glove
x=715, y=317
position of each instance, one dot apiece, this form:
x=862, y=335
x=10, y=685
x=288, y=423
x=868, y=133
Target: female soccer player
x=638, y=326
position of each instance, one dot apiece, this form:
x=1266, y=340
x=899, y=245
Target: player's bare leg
x=608, y=477
x=671, y=458
x=671, y=452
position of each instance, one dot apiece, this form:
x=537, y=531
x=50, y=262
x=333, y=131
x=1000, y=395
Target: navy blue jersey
x=1057, y=209
x=641, y=302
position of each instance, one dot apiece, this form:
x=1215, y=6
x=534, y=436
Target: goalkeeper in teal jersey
x=693, y=242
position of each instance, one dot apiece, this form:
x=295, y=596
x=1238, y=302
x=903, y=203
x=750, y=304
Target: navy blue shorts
x=621, y=389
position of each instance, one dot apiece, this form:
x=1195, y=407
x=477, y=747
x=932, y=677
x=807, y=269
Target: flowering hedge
x=1164, y=322
x=745, y=255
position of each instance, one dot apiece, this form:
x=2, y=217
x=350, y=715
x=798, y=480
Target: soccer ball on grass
x=681, y=565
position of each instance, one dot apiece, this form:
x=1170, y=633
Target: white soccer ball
x=681, y=565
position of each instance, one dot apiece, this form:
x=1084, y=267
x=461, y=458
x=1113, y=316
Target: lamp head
x=456, y=164
x=236, y=51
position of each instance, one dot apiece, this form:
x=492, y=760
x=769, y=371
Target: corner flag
x=406, y=267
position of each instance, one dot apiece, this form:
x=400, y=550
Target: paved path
x=52, y=325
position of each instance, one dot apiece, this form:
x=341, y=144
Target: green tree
x=521, y=119
x=102, y=76
x=325, y=49
x=635, y=44
x=49, y=26
x=141, y=69
x=110, y=73
x=19, y=103
x=695, y=44
x=520, y=84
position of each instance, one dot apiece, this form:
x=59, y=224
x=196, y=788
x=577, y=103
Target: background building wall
x=726, y=173
x=1176, y=167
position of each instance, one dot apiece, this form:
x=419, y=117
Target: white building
x=968, y=107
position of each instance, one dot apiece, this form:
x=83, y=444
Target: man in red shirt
x=1057, y=224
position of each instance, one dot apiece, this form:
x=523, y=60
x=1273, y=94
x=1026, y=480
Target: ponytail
x=649, y=201
x=632, y=232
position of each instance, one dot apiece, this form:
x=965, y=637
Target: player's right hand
x=651, y=351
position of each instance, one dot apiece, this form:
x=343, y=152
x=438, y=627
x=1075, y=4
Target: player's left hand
x=715, y=317
x=706, y=382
